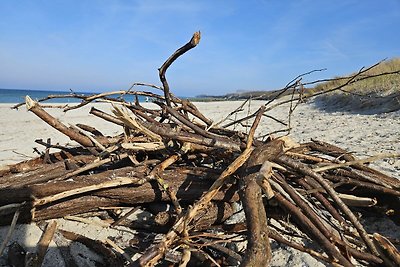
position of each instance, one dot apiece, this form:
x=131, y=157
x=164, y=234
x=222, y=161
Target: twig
x=97, y=246
x=124, y=217
x=10, y=231
x=94, y=141
x=355, y=162
x=156, y=174
x=87, y=221
x=134, y=124
x=44, y=243
x=323, y=200
x=119, y=250
x=309, y=226
x=105, y=116
x=277, y=237
x=238, y=109
x=95, y=164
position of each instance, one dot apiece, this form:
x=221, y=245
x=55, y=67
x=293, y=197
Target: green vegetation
x=373, y=95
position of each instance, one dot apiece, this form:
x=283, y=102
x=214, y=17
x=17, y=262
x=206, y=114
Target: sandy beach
x=364, y=135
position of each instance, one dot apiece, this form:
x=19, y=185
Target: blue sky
x=246, y=45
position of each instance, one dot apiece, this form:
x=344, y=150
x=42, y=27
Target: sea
x=18, y=96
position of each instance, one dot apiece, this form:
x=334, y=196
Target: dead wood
x=258, y=252
x=306, y=171
x=110, y=258
x=44, y=243
x=186, y=184
x=191, y=44
x=38, y=111
x=174, y=155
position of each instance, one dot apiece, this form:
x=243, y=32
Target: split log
x=187, y=185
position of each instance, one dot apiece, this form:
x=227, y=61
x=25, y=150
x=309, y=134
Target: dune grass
x=379, y=94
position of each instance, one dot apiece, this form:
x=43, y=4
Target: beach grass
x=380, y=94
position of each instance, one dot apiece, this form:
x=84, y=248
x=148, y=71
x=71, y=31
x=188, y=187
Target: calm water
x=18, y=96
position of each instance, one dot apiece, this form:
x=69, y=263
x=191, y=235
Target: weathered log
x=33, y=173
x=53, y=122
x=258, y=252
x=188, y=187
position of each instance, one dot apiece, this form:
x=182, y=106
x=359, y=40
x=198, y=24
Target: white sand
x=20, y=129
x=365, y=135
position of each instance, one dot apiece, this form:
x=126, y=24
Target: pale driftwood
x=134, y=124
x=355, y=201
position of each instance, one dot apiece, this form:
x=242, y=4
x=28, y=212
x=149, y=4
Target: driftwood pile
x=174, y=154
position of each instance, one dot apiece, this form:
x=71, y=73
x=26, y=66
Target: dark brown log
x=389, y=252
x=217, y=212
x=42, y=173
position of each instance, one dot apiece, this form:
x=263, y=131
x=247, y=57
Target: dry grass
x=374, y=95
